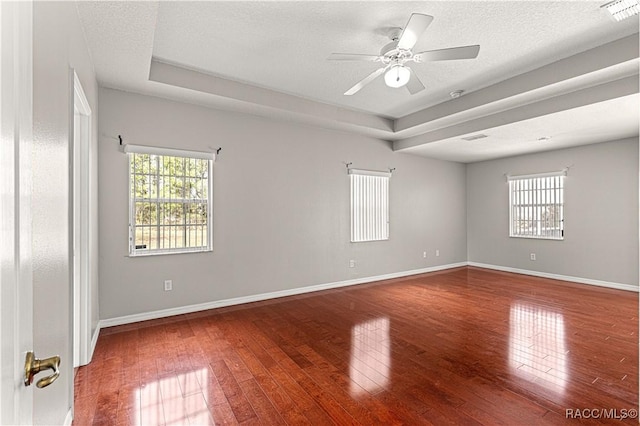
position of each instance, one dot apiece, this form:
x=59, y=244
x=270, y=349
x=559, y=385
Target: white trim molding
x=128, y=319
x=92, y=347
x=171, y=152
x=579, y=280
x=562, y=172
x=163, y=313
x=80, y=221
x=363, y=172
x=94, y=342
x=68, y=420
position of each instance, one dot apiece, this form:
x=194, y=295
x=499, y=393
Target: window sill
x=527, y=237
x=162, y=253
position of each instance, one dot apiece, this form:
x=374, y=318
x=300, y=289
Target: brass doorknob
x=33, y=366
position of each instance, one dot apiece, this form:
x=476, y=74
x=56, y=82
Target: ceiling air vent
x=475, y=137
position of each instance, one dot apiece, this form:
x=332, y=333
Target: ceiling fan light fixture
x=394, y=55
x=397, y=76
x=622, y=9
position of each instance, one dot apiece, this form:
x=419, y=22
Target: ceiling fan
x=396, y=54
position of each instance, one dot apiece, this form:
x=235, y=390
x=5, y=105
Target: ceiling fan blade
x=462, y=52
x=368, y=79
x=414, y=85
x=353, y=57
x=414, y=29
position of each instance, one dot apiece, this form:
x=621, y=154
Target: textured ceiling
x=284, y=45
x=542, y=66
x=618, y=119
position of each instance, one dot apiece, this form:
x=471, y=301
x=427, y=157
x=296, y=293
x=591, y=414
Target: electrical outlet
x=424, y=254
x=352, y=263
x=437, y=253
x=532, y=256
x=168, y=285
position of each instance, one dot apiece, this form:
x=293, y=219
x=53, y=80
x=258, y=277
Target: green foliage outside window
x=169, y=201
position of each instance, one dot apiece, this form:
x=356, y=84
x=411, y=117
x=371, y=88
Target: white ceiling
x=617, y=119
x=269, y=58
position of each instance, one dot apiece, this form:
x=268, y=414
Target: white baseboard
x=110, y=322
x=69, y=418
x=94, y=341
x=163, y=313
x=579, y=280
x=86, y=359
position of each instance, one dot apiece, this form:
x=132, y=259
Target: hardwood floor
x=464, y=346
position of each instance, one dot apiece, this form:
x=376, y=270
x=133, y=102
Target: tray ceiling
x=269, y=58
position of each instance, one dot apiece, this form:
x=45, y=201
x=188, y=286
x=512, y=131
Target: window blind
x=369, y=205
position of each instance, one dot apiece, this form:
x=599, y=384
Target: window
x=170, y=200
x=537, y=206
x=369, y=205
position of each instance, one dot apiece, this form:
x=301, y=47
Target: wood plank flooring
x=466, y=346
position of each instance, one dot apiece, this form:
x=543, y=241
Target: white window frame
x=529, y=197
x=369, y=195
x=167, y=152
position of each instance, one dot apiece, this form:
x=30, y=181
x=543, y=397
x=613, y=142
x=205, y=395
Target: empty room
x=319, y=212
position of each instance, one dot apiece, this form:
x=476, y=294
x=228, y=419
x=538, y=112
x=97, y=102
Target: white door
x=16, y=283
x=16, y=227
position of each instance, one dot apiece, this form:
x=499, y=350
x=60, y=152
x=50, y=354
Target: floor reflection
x=537, y=348
x=175, y=400
x=370, y=356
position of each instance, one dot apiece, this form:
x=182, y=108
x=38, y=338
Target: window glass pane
x=169, y=203
x=536, y=207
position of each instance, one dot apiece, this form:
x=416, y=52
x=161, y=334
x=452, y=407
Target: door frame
x=80, y=221
x=16, y=264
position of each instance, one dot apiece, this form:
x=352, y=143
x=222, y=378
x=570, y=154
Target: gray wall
x=58, y=46
x=281, y=207
x=601, y=213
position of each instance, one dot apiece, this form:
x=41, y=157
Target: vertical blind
x=369, y=205
x=537, y=206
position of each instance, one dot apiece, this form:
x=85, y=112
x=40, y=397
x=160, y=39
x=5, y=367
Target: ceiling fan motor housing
x=391, y=53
